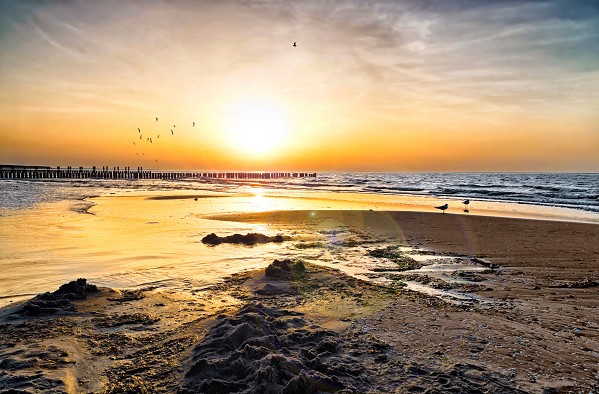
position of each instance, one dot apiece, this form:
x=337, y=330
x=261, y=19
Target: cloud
x=496, y=56
x=56, y=32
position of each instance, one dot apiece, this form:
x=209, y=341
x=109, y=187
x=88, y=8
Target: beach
x=306, y=197
x=339, y=296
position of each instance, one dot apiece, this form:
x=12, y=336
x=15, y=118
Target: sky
x=417, y=85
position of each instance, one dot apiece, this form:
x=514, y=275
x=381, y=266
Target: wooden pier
x=43, y=172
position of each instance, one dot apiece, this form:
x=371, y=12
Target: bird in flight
x=295, y=44
x=443, y=207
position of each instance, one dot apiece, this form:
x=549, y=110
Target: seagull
x=157, y=119
x=173, y=125
x=194, y=124
x=158, y=136
x=295, y=44
x=140, y=137
x=443, y=207
x=466, y=202
x=133, y=142
x=172, y=132
x=138, y=130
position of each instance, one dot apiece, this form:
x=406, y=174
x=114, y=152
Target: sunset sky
x=371, y=85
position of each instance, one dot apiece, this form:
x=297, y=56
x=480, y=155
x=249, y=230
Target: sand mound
x=285, y=269
x=248, y=239
x=268, y=350
x=60, y=300
x=271, y=350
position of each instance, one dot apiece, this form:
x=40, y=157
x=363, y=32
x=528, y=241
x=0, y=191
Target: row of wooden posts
x=14, y=172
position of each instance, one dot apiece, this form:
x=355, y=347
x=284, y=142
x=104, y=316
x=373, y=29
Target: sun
x=257, y=127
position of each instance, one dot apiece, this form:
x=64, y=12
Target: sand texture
x=528, y=322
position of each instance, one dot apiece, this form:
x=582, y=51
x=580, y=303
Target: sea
x=579, y=191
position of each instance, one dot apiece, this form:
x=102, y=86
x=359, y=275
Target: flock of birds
x=150, y=140
x=445, y=206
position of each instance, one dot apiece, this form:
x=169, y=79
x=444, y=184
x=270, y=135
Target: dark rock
x=211, y=239
x=248, y=239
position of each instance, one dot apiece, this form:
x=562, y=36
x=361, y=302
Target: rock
x=211, y=239
x=248, y=239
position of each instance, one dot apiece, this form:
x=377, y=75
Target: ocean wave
x=578, y=191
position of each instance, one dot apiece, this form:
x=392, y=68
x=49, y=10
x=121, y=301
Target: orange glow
x=351, y=96
x=256, y=127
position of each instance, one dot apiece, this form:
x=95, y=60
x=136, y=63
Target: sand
x=529, y=325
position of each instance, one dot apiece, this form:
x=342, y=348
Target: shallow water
x=575, y=191
x=128, y=237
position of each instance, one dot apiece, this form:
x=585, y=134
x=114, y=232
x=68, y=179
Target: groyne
x=105, y=172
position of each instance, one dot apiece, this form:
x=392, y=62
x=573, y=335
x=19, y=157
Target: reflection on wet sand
x=445, y=302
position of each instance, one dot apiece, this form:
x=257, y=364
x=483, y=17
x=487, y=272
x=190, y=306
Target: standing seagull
x=295, y=44
x=194, y=124
x=466, y=202
x=443, y=207
x=172, y=132
x=157, y=119
x=138, y=130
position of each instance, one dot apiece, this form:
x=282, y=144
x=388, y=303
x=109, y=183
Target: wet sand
x=543, y=330
x=531, y=326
